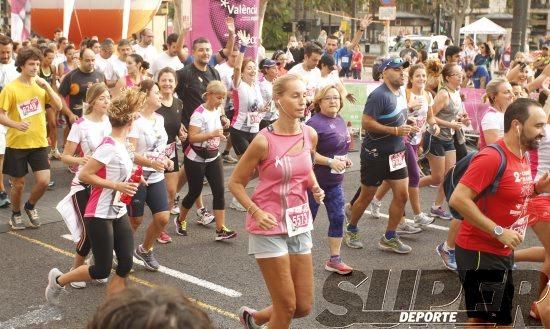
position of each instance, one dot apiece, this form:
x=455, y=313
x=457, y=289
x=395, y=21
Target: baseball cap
x=393, y=63
x=268, y=63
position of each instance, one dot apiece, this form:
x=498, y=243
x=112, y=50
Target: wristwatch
x=498, y=230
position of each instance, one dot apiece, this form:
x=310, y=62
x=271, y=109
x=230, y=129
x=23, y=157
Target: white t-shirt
x=58, y=59
x=164, y=60
x=120, y=68
x=104, y=203
x=331, y=79
x=248, y=102
x=493, y=120
x=543, y=157
x=8, y=73
x=88, y=135
x=266, y=88
x=419, y=117
x=226, y=74
x=311, y=77
x=105, y=66
x=151, y=143
x=208, y=121
x=148, y=53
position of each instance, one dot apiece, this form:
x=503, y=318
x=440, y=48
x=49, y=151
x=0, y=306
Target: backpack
x=452, y=178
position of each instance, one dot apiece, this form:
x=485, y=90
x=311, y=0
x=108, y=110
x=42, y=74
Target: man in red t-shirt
x=495, y=224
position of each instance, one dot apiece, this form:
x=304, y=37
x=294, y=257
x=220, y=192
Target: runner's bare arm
x=4, y=120
x=537, y=83
x=185, y=28
x=230, y=45
x=88, y=175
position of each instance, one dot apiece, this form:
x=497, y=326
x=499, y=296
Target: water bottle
x=134, y=178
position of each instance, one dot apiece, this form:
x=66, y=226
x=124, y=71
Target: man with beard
x=22, y=110
x=495, y=223
x=124, y=48
x=383, y=155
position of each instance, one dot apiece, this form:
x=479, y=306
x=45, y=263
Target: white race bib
x=253, y=118
x=520, y=225
x=29, y=108
x=170, y=150
x=397, y=161
x=340, y=158
x=298, y=220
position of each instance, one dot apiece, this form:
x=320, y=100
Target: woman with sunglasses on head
x=105, y=220
x=149, y=139
x=485, y=57
x=279, y=220
x=202, y=159
x=331, y=161
x=85, y=136
x=281, y=58
x=249, y=106
x=441, y=152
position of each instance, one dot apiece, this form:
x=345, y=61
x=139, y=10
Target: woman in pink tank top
x=136, y=68
x=278, y=217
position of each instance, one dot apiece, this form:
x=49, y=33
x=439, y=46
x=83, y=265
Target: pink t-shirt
x=283, y=179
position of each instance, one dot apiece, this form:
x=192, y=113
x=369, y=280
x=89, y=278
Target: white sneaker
x=205, y=217
x=423, y=220
x=374, y=208
x=407, y=228
x=77, y=284
x=236, y=205
x=102, y=281
x=175, y=208
x=53, y=290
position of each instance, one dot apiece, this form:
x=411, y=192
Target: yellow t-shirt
x=25, y=103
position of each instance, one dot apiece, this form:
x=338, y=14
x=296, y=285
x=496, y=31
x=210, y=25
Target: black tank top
x=48, y=78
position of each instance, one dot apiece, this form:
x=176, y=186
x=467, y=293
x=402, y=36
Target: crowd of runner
x=140, y=124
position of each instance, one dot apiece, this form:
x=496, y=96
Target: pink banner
x=209, y=21
x=20, y=19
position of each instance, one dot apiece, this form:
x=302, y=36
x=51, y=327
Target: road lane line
x=131, y=277
x=186, y=277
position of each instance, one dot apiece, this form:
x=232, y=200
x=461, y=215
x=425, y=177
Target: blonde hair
x=92, y=94
x=491, y=90
x=215, y=87
x=279, y=86
x=122, y=109
x=320, y=94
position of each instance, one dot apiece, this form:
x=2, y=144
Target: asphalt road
x=222, y=277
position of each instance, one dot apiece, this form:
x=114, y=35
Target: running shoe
x=53, y=290
x=347, y=211
x=54, y=154
x=51, y=185
x=338, y=267
x=4, y=200
x=16, y=222
x=447, y=256
x=181, y=227
x=175, y=208
x=78, y=284
x=103, y=281
x=33, y=217
x=423, y=220
x=225, y=234
x=205, y=217
x=351, y=239
x=164, y=238
x=439, y=212
x=374, y=208
x=236, y=205
x=394, y=244
x=229, y=159
x=147, y=257
x=246, y=316
x=407, y=228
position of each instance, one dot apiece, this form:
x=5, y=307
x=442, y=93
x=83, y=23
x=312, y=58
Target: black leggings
x=105, y=236
x=80, y=199
x=196, y=171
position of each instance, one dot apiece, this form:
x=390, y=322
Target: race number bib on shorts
x=298, y=220
x=397, y=161
x=253, y=118
x=170, y=150
x=340, y=158
x=29, y=108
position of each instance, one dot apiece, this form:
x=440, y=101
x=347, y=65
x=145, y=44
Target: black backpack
x=452, y=178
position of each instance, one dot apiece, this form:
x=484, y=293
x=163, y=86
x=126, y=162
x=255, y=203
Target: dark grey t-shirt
x=75, y=85
x=390, y=110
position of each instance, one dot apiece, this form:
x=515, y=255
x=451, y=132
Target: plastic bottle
x=134, y=178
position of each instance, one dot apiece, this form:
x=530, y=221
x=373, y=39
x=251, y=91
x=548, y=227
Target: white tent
x=482, y=26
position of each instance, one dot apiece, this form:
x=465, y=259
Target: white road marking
x=437, y=227
x=40, y=316
x=186, y=277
